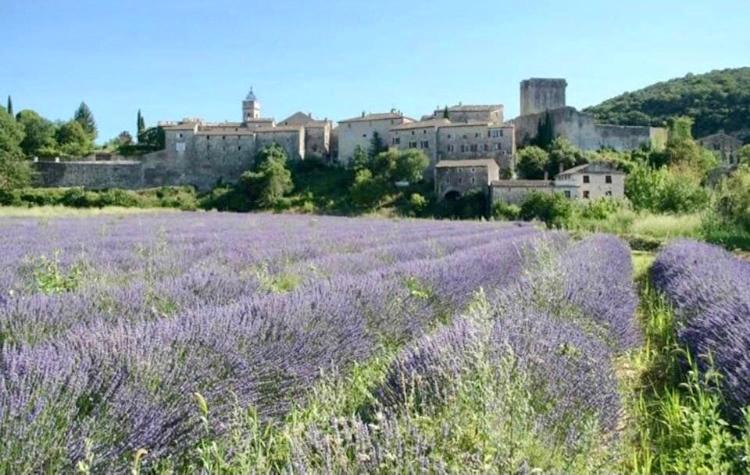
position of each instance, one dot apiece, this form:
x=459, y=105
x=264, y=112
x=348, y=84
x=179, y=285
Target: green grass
x=676, y=423
x=65, y=211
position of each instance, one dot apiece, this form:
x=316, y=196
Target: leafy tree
x=140, y=124
x=152, y=138
x=644, y=185
x=685, y=152
x=384, y=165
x=124, y=138
x=552, y=208
x=73, y=139
x=410, y=166
x=532, y=162
x=562, y=152
x=743, y=155
x=9, y=108
x=39, y=133
x=271, y=180
x=664, y=190
x=15, y=171
x=360, y=159
x=367, y=189
x=377, y=145
x=719, y=100
x=733, y=202
x=85, y=117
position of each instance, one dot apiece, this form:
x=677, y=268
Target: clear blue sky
x=337, y=58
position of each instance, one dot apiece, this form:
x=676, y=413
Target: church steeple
x=250, y=107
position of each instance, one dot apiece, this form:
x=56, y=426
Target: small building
x=724, y=146
x=584, y=182
x=317, y=133
x=455, y=178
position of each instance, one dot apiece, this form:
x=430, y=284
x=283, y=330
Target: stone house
x=317, y=133
x=455, y=178
x=478, y=140
x=724, y=146
x=585, y=182
x=359, y=131
x=492, y=113
x=422, y=135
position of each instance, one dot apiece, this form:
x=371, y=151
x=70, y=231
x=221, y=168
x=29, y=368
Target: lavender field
x=219, y=343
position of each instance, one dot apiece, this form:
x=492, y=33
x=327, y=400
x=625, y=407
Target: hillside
x=716, y=100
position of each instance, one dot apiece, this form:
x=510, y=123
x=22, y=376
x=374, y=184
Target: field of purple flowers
x=108, y=326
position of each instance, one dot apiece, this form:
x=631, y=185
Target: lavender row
x=129, y=386
x=710, y=292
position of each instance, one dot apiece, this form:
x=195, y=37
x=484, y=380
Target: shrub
x=505, y=211
x=417, y=202
x=552, y=208
x=733, y=201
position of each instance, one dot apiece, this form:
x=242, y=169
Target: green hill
x=716, y=100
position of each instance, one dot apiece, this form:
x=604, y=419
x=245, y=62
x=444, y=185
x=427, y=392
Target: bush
x=417, y=202
x=505, y=211
x=552, y=208
x=602, y=208
x=733, y=201
x=367, y=189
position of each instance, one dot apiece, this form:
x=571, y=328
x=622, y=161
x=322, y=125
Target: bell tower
x=250, y=107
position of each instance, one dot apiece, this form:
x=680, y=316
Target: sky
x=337, y=58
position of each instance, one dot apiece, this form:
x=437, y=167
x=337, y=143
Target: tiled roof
x=281, y=128
x=422, y=124
x=523, y=183
x=474, y=108
x=604, y=167
x=477, y=162
x=379, y=116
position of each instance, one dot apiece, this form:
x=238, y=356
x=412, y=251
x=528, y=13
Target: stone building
x=422, y=135
x=471, y=113
x=317, y=133
x=359, y=131
x=725, y=146
x=585, y=182
x=478, y=140
x=543, y=106
x=455, y=178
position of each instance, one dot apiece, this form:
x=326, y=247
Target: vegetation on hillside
x=715, y=101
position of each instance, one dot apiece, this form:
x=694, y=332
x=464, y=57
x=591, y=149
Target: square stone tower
x=542, y=94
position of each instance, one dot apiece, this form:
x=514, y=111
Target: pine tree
x=10, y=108
x=141, y=126
x=85, y=117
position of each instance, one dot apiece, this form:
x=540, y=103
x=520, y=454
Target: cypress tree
x=85, y=117
x=141, y=125
x=10, y=108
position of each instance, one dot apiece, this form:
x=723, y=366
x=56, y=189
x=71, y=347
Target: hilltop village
x=468, y=146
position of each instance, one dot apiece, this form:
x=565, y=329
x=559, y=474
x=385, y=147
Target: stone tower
x=539, y=95
x=250, y=107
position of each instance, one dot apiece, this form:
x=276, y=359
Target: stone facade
x=476, y=113
x=582, y=131
x=724, y=146
x=358, y=132
x=455, y=178
x=585, y=182
x=317, y=133
x=478, y=141
x=539, y=95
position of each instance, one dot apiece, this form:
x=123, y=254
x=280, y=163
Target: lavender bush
x=710, y=292
x=245, y=310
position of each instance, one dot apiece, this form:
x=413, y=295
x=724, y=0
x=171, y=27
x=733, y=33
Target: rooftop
x=477, y=162
x=422, y=124
x=377, y=116
x=473, y=108
x=594, y=167
x=523, y=183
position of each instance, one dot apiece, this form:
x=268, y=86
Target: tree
x=140, y=125
x=73, y=139
x=733, y=203
x=743, y=155
x=271, y=180
x=360, y=159
x=545, y=132
x=39, y=133
x=15, y=171
x=9, y=109
x=532, y=162
x=410, y=166
x=124, y=138
x=367, y=190
x=153, y=138
x=562, y=152
x=376, y=145
x=552, y=208
x=85, y=117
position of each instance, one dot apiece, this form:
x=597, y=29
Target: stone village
x=470, y=147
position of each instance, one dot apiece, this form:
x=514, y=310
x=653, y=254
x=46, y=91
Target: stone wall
x=539, y=95
x=475, y=141
x=581, y=130
x=90, y=174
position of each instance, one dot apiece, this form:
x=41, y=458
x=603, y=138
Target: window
x=608, y=179
x=424, y=131
x=424, y=144
x=476, y=134
x=223, y=137
x=473, y=180
x=449, y=135
x=460, y=180
x=497, y=146
x=486, y=147
x=179, y=136
x=396, y=140
x=608, y=193
x=412, y=132
x=208, y=137
x=567, y=193
x=348, y=126
x=463, y=148
x=586, y=194
x=586, y=179
x=473, y=169
x=474, y=147
x=412, y=144
x=239, y=147
x=451, y=148
x=364, y=135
